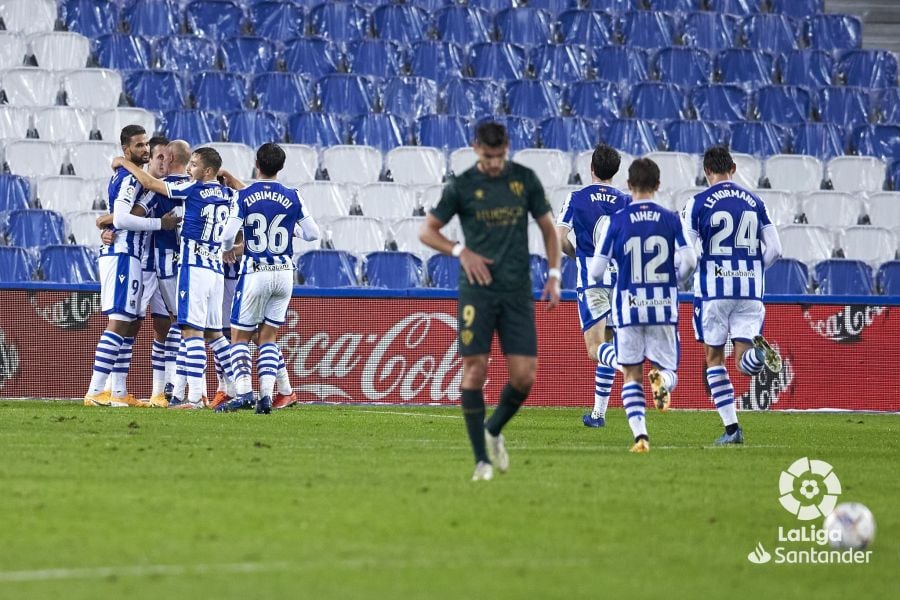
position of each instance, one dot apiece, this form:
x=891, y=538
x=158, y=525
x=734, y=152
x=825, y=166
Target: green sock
x=473, y=412
x=510, y=401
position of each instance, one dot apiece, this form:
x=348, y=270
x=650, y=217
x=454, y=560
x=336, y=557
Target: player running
x=738, y=242
x=647, y=243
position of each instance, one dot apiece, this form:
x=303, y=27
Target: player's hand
x=117, y=162
x=170, y=220
x=229, y=257
x=238, y=249
x=108, y=236
x=551, y=292
x=476, y=267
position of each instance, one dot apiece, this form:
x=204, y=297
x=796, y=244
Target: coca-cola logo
x=9, y=359
x=766, y=386
x=71, y=312
x=846, y=325
x=414, y=360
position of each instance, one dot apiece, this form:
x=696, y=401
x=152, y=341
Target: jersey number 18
x=215, y=216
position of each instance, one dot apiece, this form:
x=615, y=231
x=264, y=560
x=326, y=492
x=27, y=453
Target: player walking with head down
x=646, y=242
x=493, y=200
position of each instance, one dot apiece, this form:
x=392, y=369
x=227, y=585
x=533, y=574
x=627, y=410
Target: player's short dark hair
x=210, y=157
x=643, y=175
x=158, y=140
x=718, y=160
x=491, y=134
x=270, y=157
x=128, y=132
x=605, y=161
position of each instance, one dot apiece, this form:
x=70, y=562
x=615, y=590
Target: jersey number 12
x=648, y=273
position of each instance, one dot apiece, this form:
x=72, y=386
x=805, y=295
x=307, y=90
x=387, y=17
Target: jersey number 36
x=265, y=235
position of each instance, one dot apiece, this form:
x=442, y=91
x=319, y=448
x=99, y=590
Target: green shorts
x=511, y=315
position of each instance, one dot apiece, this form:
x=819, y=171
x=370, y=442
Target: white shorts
x=200, y=298
x=656, y=343
x=121, y=286
x=262, y=297
x=228, y=301
x=593, y=305
x=742, y=320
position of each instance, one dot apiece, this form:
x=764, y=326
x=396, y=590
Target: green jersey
x=493, y=212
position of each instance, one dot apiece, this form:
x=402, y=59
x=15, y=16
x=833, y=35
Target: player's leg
x=245, y=315
x=753, y=351
x=195, y=288
x=662, y=349
x=630, y=352
x=593, y=309
x=267, y=366
x=217, y=341
x=284, y=392
x=159, y=315
x=224, y=375
x=274, y=314
x=715, y=334
x=168, y=293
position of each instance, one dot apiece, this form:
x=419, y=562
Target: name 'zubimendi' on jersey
x=269, y=214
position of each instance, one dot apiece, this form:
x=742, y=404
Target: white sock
x=603, y=381
x=120, y=371
x=283, y=379
x=635, y=407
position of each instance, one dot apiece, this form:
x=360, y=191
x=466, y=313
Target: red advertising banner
x=403, y=350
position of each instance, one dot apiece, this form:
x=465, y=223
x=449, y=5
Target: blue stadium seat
x=443, y=271
x=15, y=265
x=590, y=28
x=646, y=29
x=313, y=57
x=522, y=131
x=634, y=136
x=463, y=24
x=563, y=63
x=621, y=63
x=876, y=140
x=745, y=66
x=594, y=100
x=656, y=100
x=122, y=52
x=380, y=58
x=154, y=90
x=554, y=7
x=682, y=6
x=14, y=192
x=496, y=61
x=538, y=272
x=889, y=106
x=68, y=264
x=533, y=98
x=277, y=20
x=393, y=270
x=410, y=97
x=843, y=277
x=91, y=18
x=694, y=137
x=338, y=21
x=526, y=25
x=893, y=175
x=281, y=92
x=797, y=8
x=712, y=31
x=152, y=18
x=492, y=6
x=217, y=90
x=436, y=60
x=443, y=131
x=400, y=22
x=823, y=140
x=784, y=104
x=613, y=6
x=468, y=97
x=255, y=127
x=185, y=53
x=345, y=94
x=214, y=19
x=774, y=33
x=736, y=7
x=570, y=134
x=843, y=105
x=248, y=55
x=787, y=276
x=35, y=228
x=759, y=139
x=194, y=126
x=812, y=68
x=569, y=274
x=833, y=32
x=328, y=268
x=682, y=66
x=316, y=129
x=888, y=278
x=380, y=130
x=868, y=68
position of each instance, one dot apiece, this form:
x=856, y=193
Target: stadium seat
x=843, y=277
x=405, y=234
x=281, y=92
x=719, y=102
x=380, y=130
x=745, y=66
x=68, y=264
x=583, y=170
x=352, y=164
x=783, y=207
x=217, y=90
x=152, y=18
x=473, y=98
x=551, y=166
x=386, y=200
x=538, y=272
x=797, y=8
x=14, y=122
x=884, y=210
x=787, y=276
x=749, y=169
x=429, y=195
x=737, y=7
x=436, y=60
x=873, y=245
x=533, y=98
x=526, y=25
x=560, y=63
x=856, y=173
x=443, y=131
x=893, y=178
x=92, y=88
x=634, y=136
x=613, y=6
x=876, y=140
x=569, y=134
x=309, y=56
x=462, y=24
x=122, y=52
x=771, y=32
x=443, y=271
x=495, y=60
x=593, y=100
x=316, y=129
x=677, y=170
x=66, y=194
x=277, y=20
x=91, y=18
x=155, y=90
x=682, y=66
x=807, y=243
x=888, y=278
x=868, y=68
x=811, y=68
x=30, y=86
x=557, y=196
x=236, y=158
x=400, y=22
x=328, y=268
x=758, y=139
x=255, y=127
x=889, y=106
x=35, y=158
x=339, y=21
x=63, y=124
x=194, y=126
x=345, y=94
x=795, y=173
x=327, y=199
x=300, y=165
x=60, y=50
x=15, y=192
x=359, y=235
x=554, y=7
x=110, y=122
x=674, y=5
x=214, y=19
x=185, y=53
x=12, y=50
x=416, y=165
x=593, y=29
x=378, y=58
x=832, y=209
x=83, y=226
x=843, y=106
x=832, y=32
x=252, y=55
x=393, y=270
x=410, y=97
x=621, y=63
x=695, y=136
x=822, y=140
x=34, y=228
x=656, y=100
x=536, y=243
x=783, y=104
x=647, y=29
x=93, y=159
x=711, y=31
x=462, y=159
x=15, y=265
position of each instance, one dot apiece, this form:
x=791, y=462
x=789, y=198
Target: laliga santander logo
x=809, y=489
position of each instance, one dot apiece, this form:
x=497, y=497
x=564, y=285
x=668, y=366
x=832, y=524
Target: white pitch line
x=408, y=414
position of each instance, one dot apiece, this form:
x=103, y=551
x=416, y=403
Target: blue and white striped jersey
x=642, y=239
x=586, y=212
x=270, y=212
x=206, y=209
x=124, y=188
x=163, y=245
x=728, y=221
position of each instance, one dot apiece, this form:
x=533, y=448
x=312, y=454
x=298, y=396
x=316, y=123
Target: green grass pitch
x=376, y=502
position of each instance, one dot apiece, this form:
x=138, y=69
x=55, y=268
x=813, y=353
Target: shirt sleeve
x=449, y=204
x=128, y=191
x=538, y=205
x=604, y=246
x=180, y=189
x=680, y=240
x=566, y=214
x=763, y=210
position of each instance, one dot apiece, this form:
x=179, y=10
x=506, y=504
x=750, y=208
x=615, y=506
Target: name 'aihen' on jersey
x=587, y=212
x=642, y=239
x=123, y=188
x=270, y=212
x=207, y=205
x=728, y=220
x=163, y=244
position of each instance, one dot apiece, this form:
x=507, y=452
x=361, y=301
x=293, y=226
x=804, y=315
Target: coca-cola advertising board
x=403, y=350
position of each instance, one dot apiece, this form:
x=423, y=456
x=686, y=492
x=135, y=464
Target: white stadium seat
x=352, y=164
x=66, y=194
x=12, y=50
x=93, y=159
x=416, y=165
x=832, y=209
x=620, y=179
x=63, y=124
x=748, y=172
x=34, y=158
x=110, y=122
x=582, y=164
x=557, y=196
x=677, y=170
x=326, y=199
x=28, y=16
x=14, y=122
x=536, y=239
x=387, y=200
x=430, y=195
x=551, y=166
x=359, y=235
x=462, y=159
x=873, y=245
x=856, y=173
x=783, y=206
x=300, y=165
x=238, y=159
x=93, y=88
x=884, y=209
x=30, y=86
x=405, y=232
x=60, y=50
x=807, y=243
x=83, y=226
x=795, y=173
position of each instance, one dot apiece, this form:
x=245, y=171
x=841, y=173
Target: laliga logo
x=809, y=489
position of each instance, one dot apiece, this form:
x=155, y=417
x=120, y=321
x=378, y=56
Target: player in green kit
x=493, y=200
